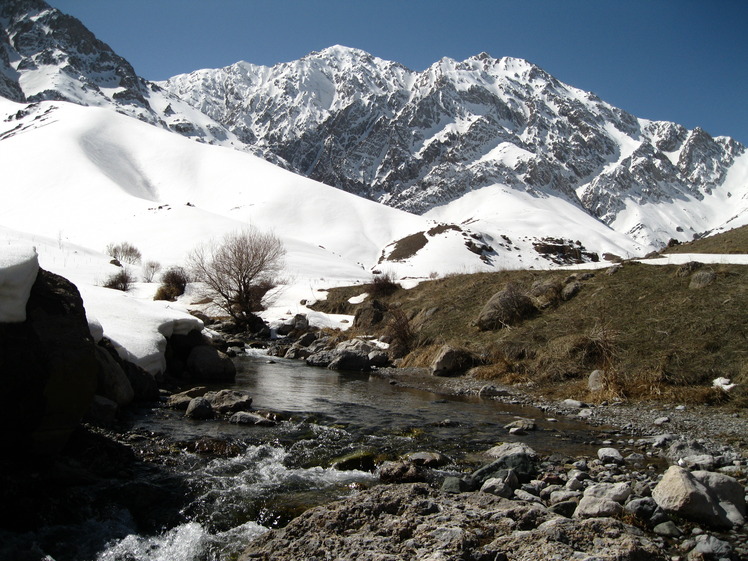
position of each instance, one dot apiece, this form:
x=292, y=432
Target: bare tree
x=124, y=252
x=150, y=268
x=239, y=270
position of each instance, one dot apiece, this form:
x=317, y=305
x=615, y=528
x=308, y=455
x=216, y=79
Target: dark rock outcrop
x=48, y=367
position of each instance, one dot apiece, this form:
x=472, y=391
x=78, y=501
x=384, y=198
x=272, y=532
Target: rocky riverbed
x=673, y=488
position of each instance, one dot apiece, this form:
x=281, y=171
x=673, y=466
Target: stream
x=277, y=472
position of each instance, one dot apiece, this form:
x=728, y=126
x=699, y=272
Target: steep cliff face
x=416, y=140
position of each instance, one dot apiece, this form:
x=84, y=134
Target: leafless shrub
x=173, y=284
x=239, y=270
x=383, y=285
x=124, y=252
x=400, y=330
x=150, y=268
x=121, y=280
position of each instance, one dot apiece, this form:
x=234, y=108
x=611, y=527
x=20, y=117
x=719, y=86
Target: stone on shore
x=710, y=498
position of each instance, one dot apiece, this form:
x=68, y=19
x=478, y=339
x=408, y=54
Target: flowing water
x=277, y=472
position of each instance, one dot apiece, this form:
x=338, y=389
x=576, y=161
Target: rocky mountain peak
x=48, y=55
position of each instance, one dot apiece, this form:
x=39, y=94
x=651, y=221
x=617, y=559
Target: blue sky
x=678, y=60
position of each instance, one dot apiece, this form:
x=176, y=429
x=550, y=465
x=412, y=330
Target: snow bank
x=137, y=328
x=19, y=265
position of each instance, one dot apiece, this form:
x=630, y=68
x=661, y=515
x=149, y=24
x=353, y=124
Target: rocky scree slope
x=48, y=55
x=415, y=140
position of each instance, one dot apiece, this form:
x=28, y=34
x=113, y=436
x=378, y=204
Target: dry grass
x=734, y=241
x=653, y=336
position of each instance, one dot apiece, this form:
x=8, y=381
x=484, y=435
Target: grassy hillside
x=649, y=328
x=734, y=241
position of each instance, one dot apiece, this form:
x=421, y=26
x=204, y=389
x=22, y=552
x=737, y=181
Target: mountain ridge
x=497, y=132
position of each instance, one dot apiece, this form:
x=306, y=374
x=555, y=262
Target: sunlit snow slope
x=90, y=176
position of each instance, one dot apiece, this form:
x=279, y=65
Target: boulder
x=596, y=507
x=209, y=364
x=379, y=358
x=710, y=547
x=349, y=360
x=570, y=290
x=247, y=418
x=369, y=314
x=103, y=411
x=610, y=456
x=680, y=492
x=702, y=279
x=729, y=493
x=113, y=383
x=229, y=401
x=321, y=359
x=617, y=492
x=49, y=368
x=352, y=355
x=503, y=484
x=427, y=459
x=515, y=456
x=596, y=381
x=182, y=400
x=451, y=360
x=505, y=308
x=360, y=460
x=199, y=409
x=401, y=471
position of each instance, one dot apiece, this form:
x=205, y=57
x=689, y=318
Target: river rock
x=564, y=495
x=401, y=471
x=379, y=358
x=643, y=508
x=710, y=547
x=321, y=359
x=199, y=409
x=412, y=521
x=680, y=449
x=182, y=400
x=247, y=418
x=680, y=492
x=667, y=529
x=610, y=456
x=617, y=492
x=729, y=493
x=363, y=460
x=511, y=455
x=705, y=462
x=427, y=459
x=209, y=364
x=229, y=401
x=113, y=383
x=103, y=411
x=595, y=507
x=521, y=424
x=351, y=360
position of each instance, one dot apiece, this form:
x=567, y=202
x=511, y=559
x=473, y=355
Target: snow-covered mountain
x=48, y=55
x=419, y=140
x=498, y=147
